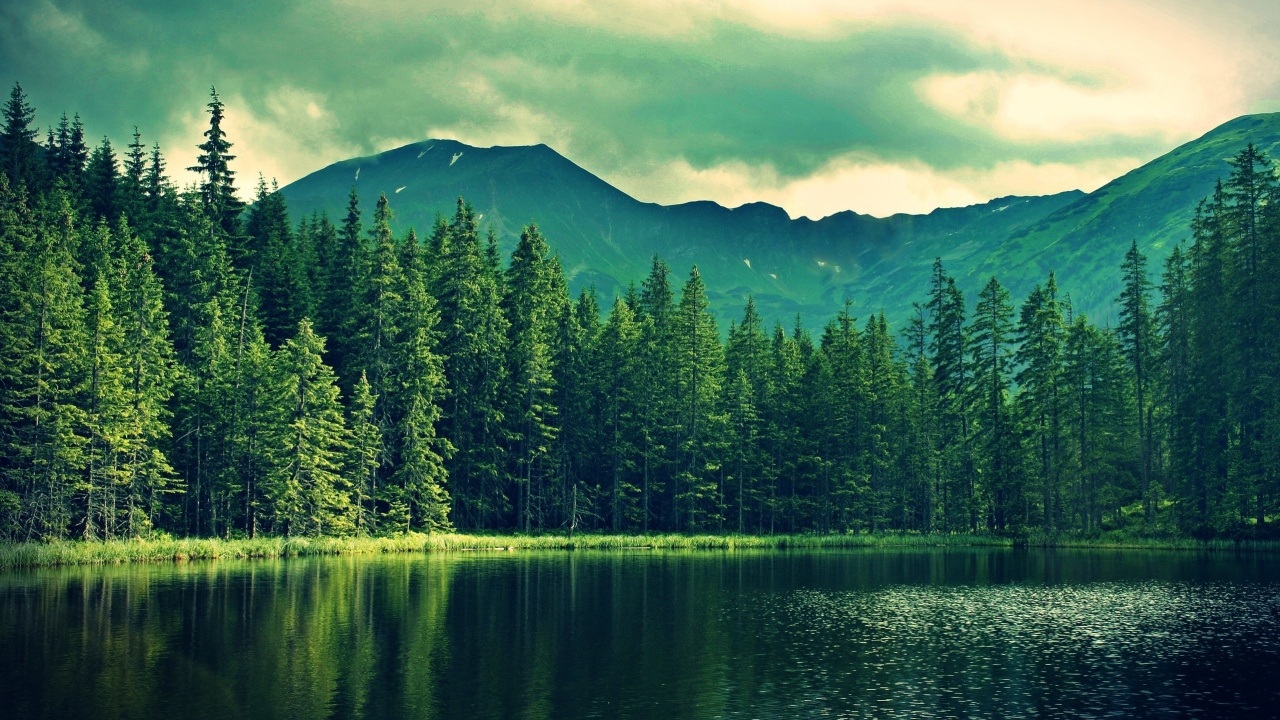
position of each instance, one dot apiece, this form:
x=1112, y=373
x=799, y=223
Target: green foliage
x=309, y=492
x=160, y=371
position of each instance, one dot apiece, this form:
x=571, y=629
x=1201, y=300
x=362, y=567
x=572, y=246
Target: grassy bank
x=34, y=554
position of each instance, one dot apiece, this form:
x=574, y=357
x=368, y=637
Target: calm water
x=958, y=633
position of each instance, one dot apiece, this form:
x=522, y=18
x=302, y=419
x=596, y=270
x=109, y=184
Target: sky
x=817, y=106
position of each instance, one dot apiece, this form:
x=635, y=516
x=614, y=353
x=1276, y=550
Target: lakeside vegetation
x=171, y=361
x=170, y=549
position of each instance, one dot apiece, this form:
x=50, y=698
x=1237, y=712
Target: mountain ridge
x=795, y=266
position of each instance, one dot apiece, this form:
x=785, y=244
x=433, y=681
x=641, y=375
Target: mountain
x=1085, y=240
x=807, y=267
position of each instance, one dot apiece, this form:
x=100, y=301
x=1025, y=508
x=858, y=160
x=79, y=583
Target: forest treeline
x=175, y=360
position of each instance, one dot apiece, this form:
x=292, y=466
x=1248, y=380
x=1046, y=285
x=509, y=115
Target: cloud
x=495, y=119
x=817, y=105
x=867, y=185
x=289, y=135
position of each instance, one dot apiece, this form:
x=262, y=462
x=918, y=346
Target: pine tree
x=217, y=179
x=1253, y=256
x=744, y=453
x=75, y=152
x=310, y=495
x=617, y=375
x=992, y=335
x=104, y=406
x=146, y=353
x=101, y=178
x=20, y=152
x=132, y=196
x=377, y=309
x=699, y=362
x=1136, y=332
x=840, y=457
x=45, y=368
x=155, y=183
x=364, y=457
x=923, y=441
x=1040, y=335
x=884, y=381
x=747, y=359
x=418, y=392
x=17, y=236
x=949, y=347
x=1210, y=342
x=279, y=274
x=577, y=330
x=1174, y=318
x=531, y=305
x=340, y=307
x=473, y=341
x=656, y=312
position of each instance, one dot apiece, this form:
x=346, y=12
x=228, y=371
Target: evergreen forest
x=178, y=360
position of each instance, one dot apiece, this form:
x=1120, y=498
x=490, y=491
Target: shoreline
x=14, y=556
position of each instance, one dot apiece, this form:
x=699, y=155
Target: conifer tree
x=101, y=178
x=146, y=353
x=1136, y=332
x=699, y=362
x=1039, y=356
x=310, y=495
x=531, y=304
x=364, y=457
x=1210, y=343
x=923, y=441
x=1174, y=318
x=377, y=310
x=131, y=195
x=323, y=250
x=884, y=380
x=747, y=358
x=217, y=179
x=949, y=348
x=576, y=337
x=280, y=280
x=782, y=416
x=992, y=336
x=744, y=453
x=840, y=458
x=20, y=152
x=660, y=412
x=1253, y=256
x=418, y=391
x=45, y=370
x=617, y=387
x=105, y=404
x=75, y=154
x=473, y=341
x=340, y=306
x=155, y=183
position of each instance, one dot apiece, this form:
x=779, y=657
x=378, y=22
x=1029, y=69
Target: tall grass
x=165, y=549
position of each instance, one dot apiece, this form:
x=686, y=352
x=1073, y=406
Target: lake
x=649, y=634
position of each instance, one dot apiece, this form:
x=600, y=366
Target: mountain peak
x=606, y=239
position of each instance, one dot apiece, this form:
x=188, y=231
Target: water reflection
x=645, y=634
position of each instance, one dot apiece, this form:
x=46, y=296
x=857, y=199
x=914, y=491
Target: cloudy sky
x=814, y=105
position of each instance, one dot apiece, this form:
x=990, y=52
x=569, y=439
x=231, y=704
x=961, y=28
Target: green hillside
x=1086, y=240
x=606, y=238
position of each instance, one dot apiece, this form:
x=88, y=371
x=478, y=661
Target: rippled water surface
x=885, y=633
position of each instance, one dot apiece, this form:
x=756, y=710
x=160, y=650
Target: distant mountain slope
x=606, y=238
x=1085, y=241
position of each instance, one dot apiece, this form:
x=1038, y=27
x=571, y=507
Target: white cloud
x=1074, y=72
x=494, y=119
x=866, y=185
x=292, y=134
